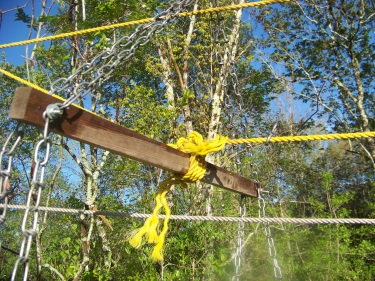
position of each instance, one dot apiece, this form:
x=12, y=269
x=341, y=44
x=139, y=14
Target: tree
x=325, y=50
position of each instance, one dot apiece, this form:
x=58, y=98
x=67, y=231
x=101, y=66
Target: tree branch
x=182, y=85
x=54, y=270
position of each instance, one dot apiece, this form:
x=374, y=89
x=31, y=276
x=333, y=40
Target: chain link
x=105, y=63
x=6, y=155
x=240, y=237
x=270, y=241
x=41, y=157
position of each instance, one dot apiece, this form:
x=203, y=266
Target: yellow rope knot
x=198, y=148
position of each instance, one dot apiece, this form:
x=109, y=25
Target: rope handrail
x=36, y=87
x=340, y=136
x=204, y=218
x=142, y=21
x=25, y=82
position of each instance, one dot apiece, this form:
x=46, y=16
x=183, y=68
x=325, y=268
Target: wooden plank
x=29, y=104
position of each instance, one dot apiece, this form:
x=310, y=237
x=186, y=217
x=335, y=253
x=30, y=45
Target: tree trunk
x=228, y=59
x=218, y=95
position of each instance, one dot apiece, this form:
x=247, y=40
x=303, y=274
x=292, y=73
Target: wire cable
x=203, y=218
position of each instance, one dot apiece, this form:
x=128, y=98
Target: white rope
x=205, y=218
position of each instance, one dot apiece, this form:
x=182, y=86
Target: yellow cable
x=303, y=138
x=232, y=7
x=23, y=81
x=36, y=87
x=142, y=21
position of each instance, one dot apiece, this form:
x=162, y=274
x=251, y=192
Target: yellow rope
x=232, y=7
x=198, y=148
x=195, y=140
x=23, y=81
x=36, y=87
x=142, y=21
x=303, y=138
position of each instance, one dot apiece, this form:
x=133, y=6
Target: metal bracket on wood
x=28, y=106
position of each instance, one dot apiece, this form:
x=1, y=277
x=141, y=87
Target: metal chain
x=122, y=50
x=41, y=157
x=270, y=241
x=240, y=237
x=6, y=155
x=105, y=63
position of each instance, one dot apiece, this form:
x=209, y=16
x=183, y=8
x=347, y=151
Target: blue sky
x=14, y=31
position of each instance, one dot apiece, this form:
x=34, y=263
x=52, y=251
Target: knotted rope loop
x=198, y=148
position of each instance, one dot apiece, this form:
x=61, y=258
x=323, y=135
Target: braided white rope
x=205, y=218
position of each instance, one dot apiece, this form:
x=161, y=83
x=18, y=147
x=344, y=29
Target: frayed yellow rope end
x=157, y=252
x=152, y=235
x=135, y=239
x=149, y=228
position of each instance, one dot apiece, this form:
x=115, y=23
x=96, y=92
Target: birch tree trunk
x=218, y=95
x=91, y=162
x=185, y=70
x=168, y=82
x=167, y=60
x=229, y=55
x=39, y=31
